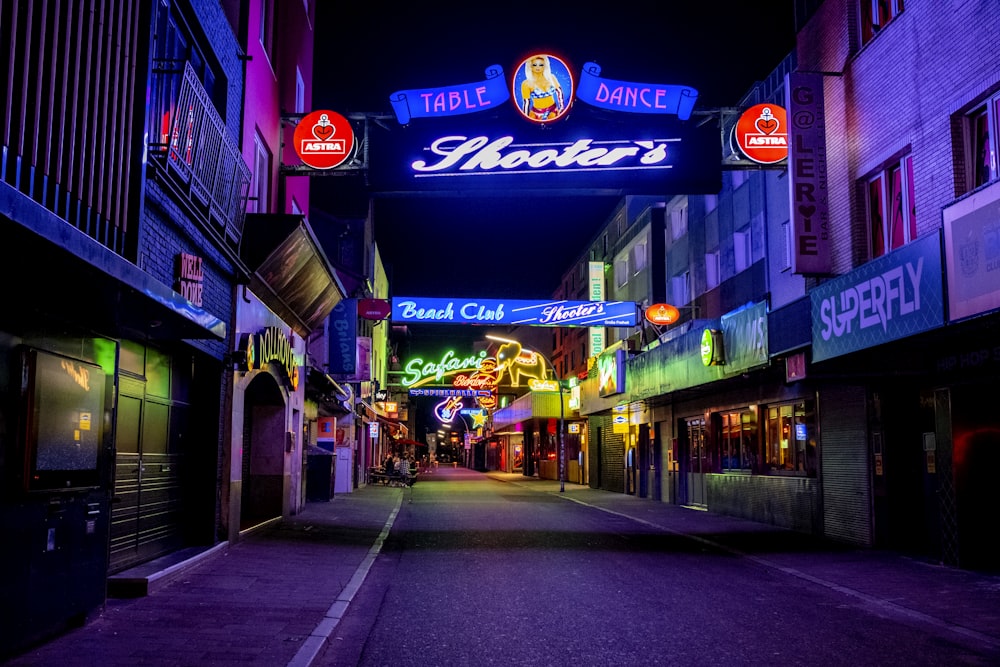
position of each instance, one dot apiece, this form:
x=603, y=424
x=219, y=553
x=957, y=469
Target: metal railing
x=204, y=161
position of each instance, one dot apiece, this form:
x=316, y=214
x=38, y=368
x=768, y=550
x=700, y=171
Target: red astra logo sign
x=662, y=313
x=374, y=309
x=324, y=139
x=762, y=135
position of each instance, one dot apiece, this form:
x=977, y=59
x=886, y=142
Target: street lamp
x=562, y=411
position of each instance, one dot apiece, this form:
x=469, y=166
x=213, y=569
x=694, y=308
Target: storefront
x=291, y=291
x=106, y=411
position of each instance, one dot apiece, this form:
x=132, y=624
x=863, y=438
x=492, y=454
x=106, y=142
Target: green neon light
x=418, y=372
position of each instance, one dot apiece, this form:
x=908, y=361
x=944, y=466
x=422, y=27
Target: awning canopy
x=85, y=284
x=290, y=272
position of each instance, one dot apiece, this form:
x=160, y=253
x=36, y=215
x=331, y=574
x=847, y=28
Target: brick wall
x=897, y=94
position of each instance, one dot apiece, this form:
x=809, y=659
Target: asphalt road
x=478, y=571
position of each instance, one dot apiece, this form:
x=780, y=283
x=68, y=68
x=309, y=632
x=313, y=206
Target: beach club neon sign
x=516, y=312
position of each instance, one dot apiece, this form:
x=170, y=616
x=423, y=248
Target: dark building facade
x=126, y=337
x=844, y=391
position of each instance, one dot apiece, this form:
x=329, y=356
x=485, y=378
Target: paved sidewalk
x=276, y=596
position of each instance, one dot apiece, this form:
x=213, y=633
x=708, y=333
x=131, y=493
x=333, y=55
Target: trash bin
x=319, y=477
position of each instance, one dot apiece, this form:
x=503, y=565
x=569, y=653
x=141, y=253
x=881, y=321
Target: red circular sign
x=324, y=139
x=662, y=313
x=761, y=133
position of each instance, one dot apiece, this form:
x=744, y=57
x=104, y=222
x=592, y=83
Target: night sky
x=473, y=245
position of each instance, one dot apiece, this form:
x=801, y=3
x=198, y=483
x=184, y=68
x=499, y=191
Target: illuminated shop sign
x=271, y=344
x=476, y=155
x=515, y=312
x=585, y=152
x=761, y=133
x=446, y=410
x=810, y=214
x=190, y=277
x=323, y=139
x=470, y=393
x=451, y=100
x=662, y=314
x=595, y=336
x=418, y=371
x=477, y=415
x=894, y=296
x=543, y=88
x=712, y=348
x=634, y=97
x=611, y=372
x=745, y=334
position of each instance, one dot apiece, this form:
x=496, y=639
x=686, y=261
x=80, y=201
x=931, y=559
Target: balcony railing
x=204, y=162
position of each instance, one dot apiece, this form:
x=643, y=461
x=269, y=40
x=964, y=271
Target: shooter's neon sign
x=460, y=155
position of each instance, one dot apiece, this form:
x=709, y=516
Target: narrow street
x=478, y=570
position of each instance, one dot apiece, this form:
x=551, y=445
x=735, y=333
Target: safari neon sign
x=418, y=371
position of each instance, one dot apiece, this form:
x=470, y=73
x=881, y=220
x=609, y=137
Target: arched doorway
x=264, y=433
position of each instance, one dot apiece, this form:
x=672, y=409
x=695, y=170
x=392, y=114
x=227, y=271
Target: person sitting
x=388, y=469
x=403, y=469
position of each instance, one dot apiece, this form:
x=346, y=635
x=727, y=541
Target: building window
x=300, y=91
x=786, y=235
x=738, y=440
x=678, y=222
x=741, y=249
x=638, y=258
x=791, y=438
x=621, y=224
x=621, y=272
x=173, y=47
x=267, y=28
x=739, y=177
x=713, y=269
x=892, y=221
x=680, y=288
x=261, y=178
x=699, y=461
x=711, y=203
x=982, y=132
x=875, y=14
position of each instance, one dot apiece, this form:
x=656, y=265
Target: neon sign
x=611, y=372
x=460, y=155
x=446, y=410
x=761, y=133
x=323, y=139
x=519, y=312
x=271, y=344
x=634, y=97
x=543, y=385
x=662, y=313
x=451, y=100
x=418, y=372
x=543, y=88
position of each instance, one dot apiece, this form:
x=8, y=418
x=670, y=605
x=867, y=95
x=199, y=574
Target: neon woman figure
x=541, y=95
